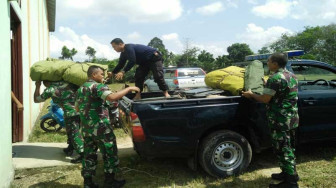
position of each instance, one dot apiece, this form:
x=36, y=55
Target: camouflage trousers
x=107, y=145
x=72, y=126
x=283, y=143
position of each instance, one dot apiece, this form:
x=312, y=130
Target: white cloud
x=257, y=37
x=133, y=10
x=254, y=2
x=217, y=49
x=277, y=9
x=210, y=9
x=71, y=39
x=134, y=36
x=314, y=12
x=172, y=42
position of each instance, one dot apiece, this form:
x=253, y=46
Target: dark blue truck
x=220, y=133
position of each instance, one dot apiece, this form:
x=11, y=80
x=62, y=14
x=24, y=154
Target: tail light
x=175, y=81
x=176, y=73
x=137, y=131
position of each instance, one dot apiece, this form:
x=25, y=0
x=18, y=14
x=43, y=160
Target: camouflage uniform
x=63, y=94
x=96, y=128
x=283, y=118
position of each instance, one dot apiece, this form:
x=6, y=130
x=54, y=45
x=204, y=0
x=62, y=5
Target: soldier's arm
x=265, y=98
x=271, y=87
x=37, y=91
x=116, y=96
x=47, y=93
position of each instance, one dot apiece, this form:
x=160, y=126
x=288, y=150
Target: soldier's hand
x=247, y=94
x=136, y=89
x=109, y=74
x=38, y=83
x=119, y=76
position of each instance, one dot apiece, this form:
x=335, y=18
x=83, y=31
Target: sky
x=211, y=25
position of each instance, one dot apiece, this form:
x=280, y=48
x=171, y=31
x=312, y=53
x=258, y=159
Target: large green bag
x=254, y=73
x=77, y=73
x=229, y=79
x=51, y=70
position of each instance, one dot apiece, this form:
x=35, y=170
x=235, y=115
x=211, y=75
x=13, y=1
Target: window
x=169, y=73
x=190, y=72
x=311, y=73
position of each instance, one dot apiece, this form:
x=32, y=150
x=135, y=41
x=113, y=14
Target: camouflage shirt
x=91, y=100
x=62, y=94
x=282, y=111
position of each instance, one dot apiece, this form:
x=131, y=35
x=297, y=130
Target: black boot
x=69, y=150
x=78, y=159
x=290, y=181
x=112, y=182
x=278, y=176
x=88, y=183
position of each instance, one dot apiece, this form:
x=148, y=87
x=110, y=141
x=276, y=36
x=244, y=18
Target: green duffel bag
x=254, y=72
x=51, y=70
x=77, y=73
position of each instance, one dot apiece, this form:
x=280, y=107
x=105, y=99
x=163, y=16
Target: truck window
x=311, y=73
x=314, y=78
x=169, y=74
x=190, y=72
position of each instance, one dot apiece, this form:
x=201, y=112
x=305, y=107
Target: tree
x=206, y=60
x=222, y=62
x=264, y=50
x=188, y=58
x=158, y=44
x=91, y=52
x=68, y=54
x=238, y=51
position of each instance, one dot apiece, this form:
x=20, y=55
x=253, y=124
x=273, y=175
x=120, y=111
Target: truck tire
x=224, y=153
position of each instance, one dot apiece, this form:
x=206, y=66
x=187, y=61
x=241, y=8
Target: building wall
x=6, y=166
x=35, y=47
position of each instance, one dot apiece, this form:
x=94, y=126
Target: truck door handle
x=310, y=101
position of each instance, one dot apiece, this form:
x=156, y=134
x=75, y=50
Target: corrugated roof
x=51, y=6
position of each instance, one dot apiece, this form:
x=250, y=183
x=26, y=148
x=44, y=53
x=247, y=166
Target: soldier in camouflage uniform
x=281, y=95
x=63, y=94
x=96, y=127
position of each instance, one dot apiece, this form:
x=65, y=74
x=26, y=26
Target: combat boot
x=78, y=159
x=112, y=182
x=88, y=183
x=290, y=181
x=278, y=176
x=69, y=150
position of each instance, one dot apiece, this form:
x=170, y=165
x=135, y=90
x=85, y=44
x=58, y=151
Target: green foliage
x=158, y=44
x=207, y=61
x=238, y=51
x=264, y=50
x=318, y=43
x=91, y=52
x=67, y=53
x=188, y=58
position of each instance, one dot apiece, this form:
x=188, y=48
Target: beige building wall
x=33, y=15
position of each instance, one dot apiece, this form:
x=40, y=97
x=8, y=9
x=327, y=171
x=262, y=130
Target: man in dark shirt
x=146, y=57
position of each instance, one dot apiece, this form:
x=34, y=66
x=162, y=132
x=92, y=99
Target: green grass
x=316, y=167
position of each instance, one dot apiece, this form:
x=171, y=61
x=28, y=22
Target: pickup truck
x=220, y=132
x=178, y=78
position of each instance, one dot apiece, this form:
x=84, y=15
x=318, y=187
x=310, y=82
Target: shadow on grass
x=324, y=150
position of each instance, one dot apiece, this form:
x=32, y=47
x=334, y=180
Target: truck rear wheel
x=225, y=153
